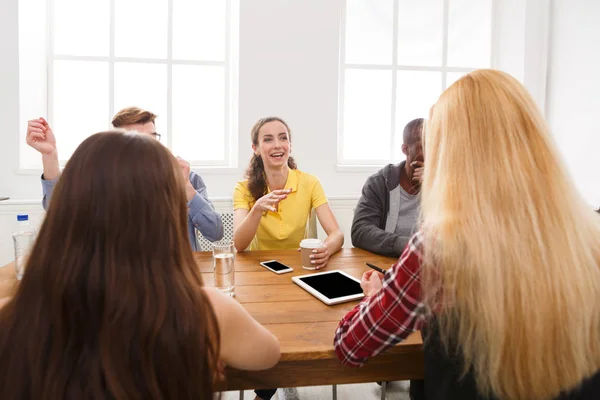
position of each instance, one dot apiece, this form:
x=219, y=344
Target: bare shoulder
x=212, y=294
x=218, y=300
x=4, y=301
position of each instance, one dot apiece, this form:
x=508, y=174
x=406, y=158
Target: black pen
x=376, y=268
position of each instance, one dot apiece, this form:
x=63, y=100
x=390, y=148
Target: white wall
x=288, y=66
x=9, y=104
x=289, y=55
x=573, y=100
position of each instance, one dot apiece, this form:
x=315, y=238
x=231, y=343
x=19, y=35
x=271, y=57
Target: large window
x=82, y=61
x=397, y=56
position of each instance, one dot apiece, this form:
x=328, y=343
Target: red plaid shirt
x=387, y=317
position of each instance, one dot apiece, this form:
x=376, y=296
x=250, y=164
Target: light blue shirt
x=201, y=213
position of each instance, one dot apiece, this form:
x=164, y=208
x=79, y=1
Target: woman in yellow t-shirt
x=272, y=206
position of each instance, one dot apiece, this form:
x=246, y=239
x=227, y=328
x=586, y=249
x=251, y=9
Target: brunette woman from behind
x=109, y=306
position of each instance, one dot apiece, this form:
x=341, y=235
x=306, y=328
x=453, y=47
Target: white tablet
x=331, y=287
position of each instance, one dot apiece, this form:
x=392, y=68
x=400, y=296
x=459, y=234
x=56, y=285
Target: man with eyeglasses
x=201, y=213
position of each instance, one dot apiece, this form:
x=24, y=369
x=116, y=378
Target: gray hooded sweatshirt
x=386, y=215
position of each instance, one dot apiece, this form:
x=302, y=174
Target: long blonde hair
x=512, y=252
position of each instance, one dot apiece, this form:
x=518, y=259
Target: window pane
x=80, y=99
x=367, y=115
x=469, y=33
x=199, y=112
x=582, y=161
x=452, y=77
x=416, y=92
x=420, y=32
x=369, y=25
x=141, y=28
x=199, y=29
x=144, y=86
x=81, y=28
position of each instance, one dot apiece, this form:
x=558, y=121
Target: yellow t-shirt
x=286, y=227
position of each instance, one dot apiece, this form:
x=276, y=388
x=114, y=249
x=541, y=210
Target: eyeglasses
x=157, y=136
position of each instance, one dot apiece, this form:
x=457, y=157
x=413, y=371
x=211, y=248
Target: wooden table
x=304, y=325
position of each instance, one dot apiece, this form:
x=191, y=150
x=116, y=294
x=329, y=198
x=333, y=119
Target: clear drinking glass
x=224, y=267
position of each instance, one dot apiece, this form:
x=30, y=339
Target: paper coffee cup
x=306, y=249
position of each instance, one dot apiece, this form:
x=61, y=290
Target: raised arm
x=41, y=137
x=245, y=344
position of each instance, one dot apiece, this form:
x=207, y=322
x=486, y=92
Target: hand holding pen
x=371, y=280
x=376, y=268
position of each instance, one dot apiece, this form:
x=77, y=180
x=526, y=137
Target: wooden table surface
x=304, y=325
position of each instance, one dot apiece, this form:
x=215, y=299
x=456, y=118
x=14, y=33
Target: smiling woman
x=272, y=206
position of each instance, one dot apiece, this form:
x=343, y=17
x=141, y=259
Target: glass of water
x=224, y=266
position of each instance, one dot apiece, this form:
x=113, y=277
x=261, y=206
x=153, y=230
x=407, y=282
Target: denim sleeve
x=202, y=213
x=47, y=189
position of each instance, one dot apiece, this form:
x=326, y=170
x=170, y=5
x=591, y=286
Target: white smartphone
x=276, y=266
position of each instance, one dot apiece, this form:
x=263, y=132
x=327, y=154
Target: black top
x=442, y=376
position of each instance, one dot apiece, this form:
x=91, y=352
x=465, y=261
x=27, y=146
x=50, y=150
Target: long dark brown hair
x=111, y=304
x=257, y=181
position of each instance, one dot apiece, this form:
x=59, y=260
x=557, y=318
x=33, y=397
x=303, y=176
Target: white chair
x=311, y=225
x=206, y=245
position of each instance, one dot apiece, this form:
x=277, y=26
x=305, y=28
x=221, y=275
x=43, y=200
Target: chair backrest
x=206, y=245
x=311, y=225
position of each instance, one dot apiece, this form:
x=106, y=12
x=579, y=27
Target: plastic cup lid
x=311, y=243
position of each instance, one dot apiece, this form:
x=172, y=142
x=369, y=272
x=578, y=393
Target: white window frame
x=230, y=64
x=368, y=165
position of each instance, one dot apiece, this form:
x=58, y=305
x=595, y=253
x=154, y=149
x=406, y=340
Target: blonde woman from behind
x=506, y=268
